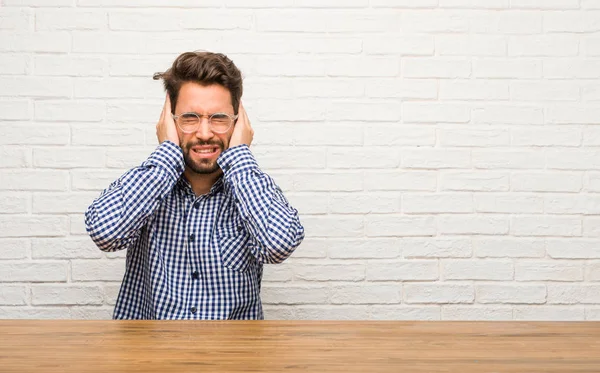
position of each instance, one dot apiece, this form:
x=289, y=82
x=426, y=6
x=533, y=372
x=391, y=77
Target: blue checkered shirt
x=188, y=256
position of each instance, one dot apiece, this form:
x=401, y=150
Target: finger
x=162, y=113
x=168, y=104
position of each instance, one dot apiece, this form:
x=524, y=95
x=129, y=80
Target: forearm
x=115, y=219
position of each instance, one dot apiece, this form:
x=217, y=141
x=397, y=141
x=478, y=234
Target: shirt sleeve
x=115, y=219
x=273, y=223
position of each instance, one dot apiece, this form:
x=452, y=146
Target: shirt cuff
x=169, y=157
x=237, y=159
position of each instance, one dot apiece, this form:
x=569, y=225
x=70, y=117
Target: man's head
x=203, y=83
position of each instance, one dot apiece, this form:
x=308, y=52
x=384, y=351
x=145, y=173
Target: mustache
x=218, y=143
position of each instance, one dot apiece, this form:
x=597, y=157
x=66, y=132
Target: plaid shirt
x=194, y=257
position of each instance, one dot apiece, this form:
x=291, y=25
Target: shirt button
x=197, y=205
x=240, y=228
x=178, y=168
x=192, y=237
x=195, y=275
x=193, y=310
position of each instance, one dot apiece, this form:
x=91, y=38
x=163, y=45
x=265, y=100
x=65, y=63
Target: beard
x=201, y=166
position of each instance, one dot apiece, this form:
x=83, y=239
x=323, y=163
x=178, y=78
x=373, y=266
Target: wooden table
x=298, y=346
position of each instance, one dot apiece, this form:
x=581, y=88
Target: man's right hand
x=165, y=128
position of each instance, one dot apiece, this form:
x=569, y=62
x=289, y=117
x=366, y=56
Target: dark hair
x=205, y=68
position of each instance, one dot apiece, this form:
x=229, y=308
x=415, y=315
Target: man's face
x=202, y=148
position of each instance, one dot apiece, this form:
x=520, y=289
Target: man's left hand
x=242, y=132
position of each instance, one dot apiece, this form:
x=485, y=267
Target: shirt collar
x=184, y=185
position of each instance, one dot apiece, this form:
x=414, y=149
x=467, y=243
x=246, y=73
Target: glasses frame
x=208, y=117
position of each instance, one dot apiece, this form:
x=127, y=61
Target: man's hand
x=165, y=128
x=243, y=132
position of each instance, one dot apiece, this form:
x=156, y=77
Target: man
x=198, y=217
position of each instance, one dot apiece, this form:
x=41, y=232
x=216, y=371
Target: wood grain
x=298, y=346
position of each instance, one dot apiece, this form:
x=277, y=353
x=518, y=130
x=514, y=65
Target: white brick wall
x=444, y=154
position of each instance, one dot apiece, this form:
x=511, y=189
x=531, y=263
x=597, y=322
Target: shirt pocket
x=232, y=242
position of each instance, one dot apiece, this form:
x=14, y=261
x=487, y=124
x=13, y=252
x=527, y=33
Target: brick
x=15, y=110
x=34, y=86
x=363, y=66
x=353, y=203
x=435, y=68
x=399, y=226
x=371, y=248
x=544, y=91
x=14, y=248
x=521, y=22
x=93, y=180
x=567, y=226
x=473, y=137
x=77, y=225
x=333, y=44
x=544, y=136
x=99, y=42
x=572, y=114
x=309, y=203
x=573, y=159
x=571, y=69
x=97, y=270
x=436, y=158
x=437, y=203
x=494, y=247
x=493, y=159
x=473, y=224
x=407, y=270
x=59, y=203
x=69, y=19
x=110, y=292
x=85, y=134
x=470, y=45
x=323, y=182
x=366, y=294
x=386, y=134
x=138, y=66
x=15, y=19
x=403, y=4
x=291, y=66
x=473, y=90
x=297, y=294
x=34, y=313
x=400, y=181
x=547, y=182
x=353, y=158
x=402, y=312
x=329, y=312
x=407, y=45
x=44, y=134
x=332, y=134
x=333, y=226
x=475, y=313
x=545, y=4
x=32, y=226
x=431, y=112
x=511, y=294
x=65, y=295
x=573, y=294
x=496, y=114
x=402, y=88
x=91, y=313
x=64, y=248
x=592, y=181
x=279, y=110
x=551, y=45
x=115, y=87
x=476, y=4
x=592, y=271
x=126, y=159
x=438, y=293
x=480, y=181
x=68, y=157
x=548, y=313
x=278, y=273
x=496, y=68
x=492, y=270
x=35, y=3
x=329, y=272
x=509, y=203
x=77, y=111
x=592, y=313
x=14, y=203
x=332, y=4
x=56, y=65
x=53, y=42
x=548, y=271
x=320, y=87
x=573, y=204
x=573, y=249
x=437, y=247
x=365, y=111
x=37, y=271
x=591, y=226
x=16, y=157
x=153, y=3
x=433, y=21
x=13, y=295
x=571, y=21
x=15, y=64
x=590, y=4
x=275, y=158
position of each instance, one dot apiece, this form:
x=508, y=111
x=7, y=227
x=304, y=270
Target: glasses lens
x=220, y=122
x=188, y=122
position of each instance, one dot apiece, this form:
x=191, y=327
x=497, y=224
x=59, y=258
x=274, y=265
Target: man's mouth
x=205, y=150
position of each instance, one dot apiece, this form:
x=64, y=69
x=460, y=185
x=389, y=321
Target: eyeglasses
x=218, y=122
